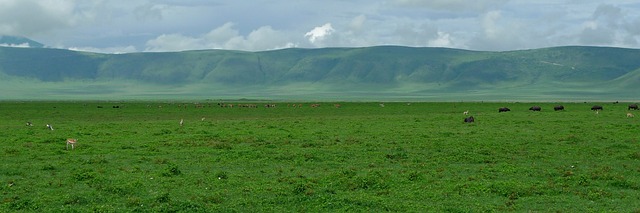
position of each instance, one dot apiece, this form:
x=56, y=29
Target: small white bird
x=181, y=122
x=50, y=127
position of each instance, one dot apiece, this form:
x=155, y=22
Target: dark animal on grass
x=596, y=107
x=535, y=108
x=469, y=119
x=504, y=109
x=559, y=107
x=633, y=107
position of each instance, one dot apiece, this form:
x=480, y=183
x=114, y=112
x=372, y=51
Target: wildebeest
x=559, y=107
x=503, y=109
x=633, y=107
x=596, y=107
x=469, y=119
x=535, y=108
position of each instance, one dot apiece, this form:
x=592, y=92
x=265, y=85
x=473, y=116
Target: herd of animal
x=70, y=141
x=596, y=108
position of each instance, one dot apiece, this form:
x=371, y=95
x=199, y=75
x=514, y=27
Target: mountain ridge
x=352, y=73
x=19, y=41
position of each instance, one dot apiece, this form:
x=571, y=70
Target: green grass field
x=360, y=157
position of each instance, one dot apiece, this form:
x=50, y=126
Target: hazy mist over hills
x=385, y=73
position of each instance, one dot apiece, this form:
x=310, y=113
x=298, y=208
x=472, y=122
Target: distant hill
x=17, y=41
x=369, y=73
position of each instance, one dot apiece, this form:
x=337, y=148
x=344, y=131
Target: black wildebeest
x=559, y=107
x=535, y=108
x=469, y=119
x=596, y=107
x=504, y=109
x=633, y=107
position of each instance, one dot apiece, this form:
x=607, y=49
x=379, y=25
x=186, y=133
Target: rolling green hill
x=370, y=73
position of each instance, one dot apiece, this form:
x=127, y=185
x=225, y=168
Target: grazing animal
x=466, y=112
x=337, y=105
x=469, y=119
x=596, y=107
x=629, y=115
x=50, y=127
x=559, y=107
x=535, y=108
x=202, y=119
x=29, y=123
x=504, y=109
x=72, y=142
x=633, y=107
x=381, y=104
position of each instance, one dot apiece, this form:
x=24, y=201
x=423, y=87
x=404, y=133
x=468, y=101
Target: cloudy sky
x=114, y=26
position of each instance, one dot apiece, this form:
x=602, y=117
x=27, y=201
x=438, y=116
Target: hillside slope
x=347, y=73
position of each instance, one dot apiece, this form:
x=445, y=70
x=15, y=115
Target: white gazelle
x=72, y=142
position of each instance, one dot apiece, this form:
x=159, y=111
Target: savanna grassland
x=361, y=157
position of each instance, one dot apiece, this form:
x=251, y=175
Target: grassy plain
x=360, y=157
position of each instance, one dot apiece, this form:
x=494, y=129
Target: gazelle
x=466, y=112
x=72, y=142
x=629, y=115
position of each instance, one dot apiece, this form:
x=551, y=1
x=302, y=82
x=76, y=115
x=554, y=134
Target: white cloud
x=443, y=40
x=173, y=42
x=357, y=24
x=149, y=11
x=29, y=17
x=176, y=25
x=452, y=5
x=318, y=34
x=223, y=37
x=23, y=45
x=109, y=50
x=609, y=25
x=490, y=26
